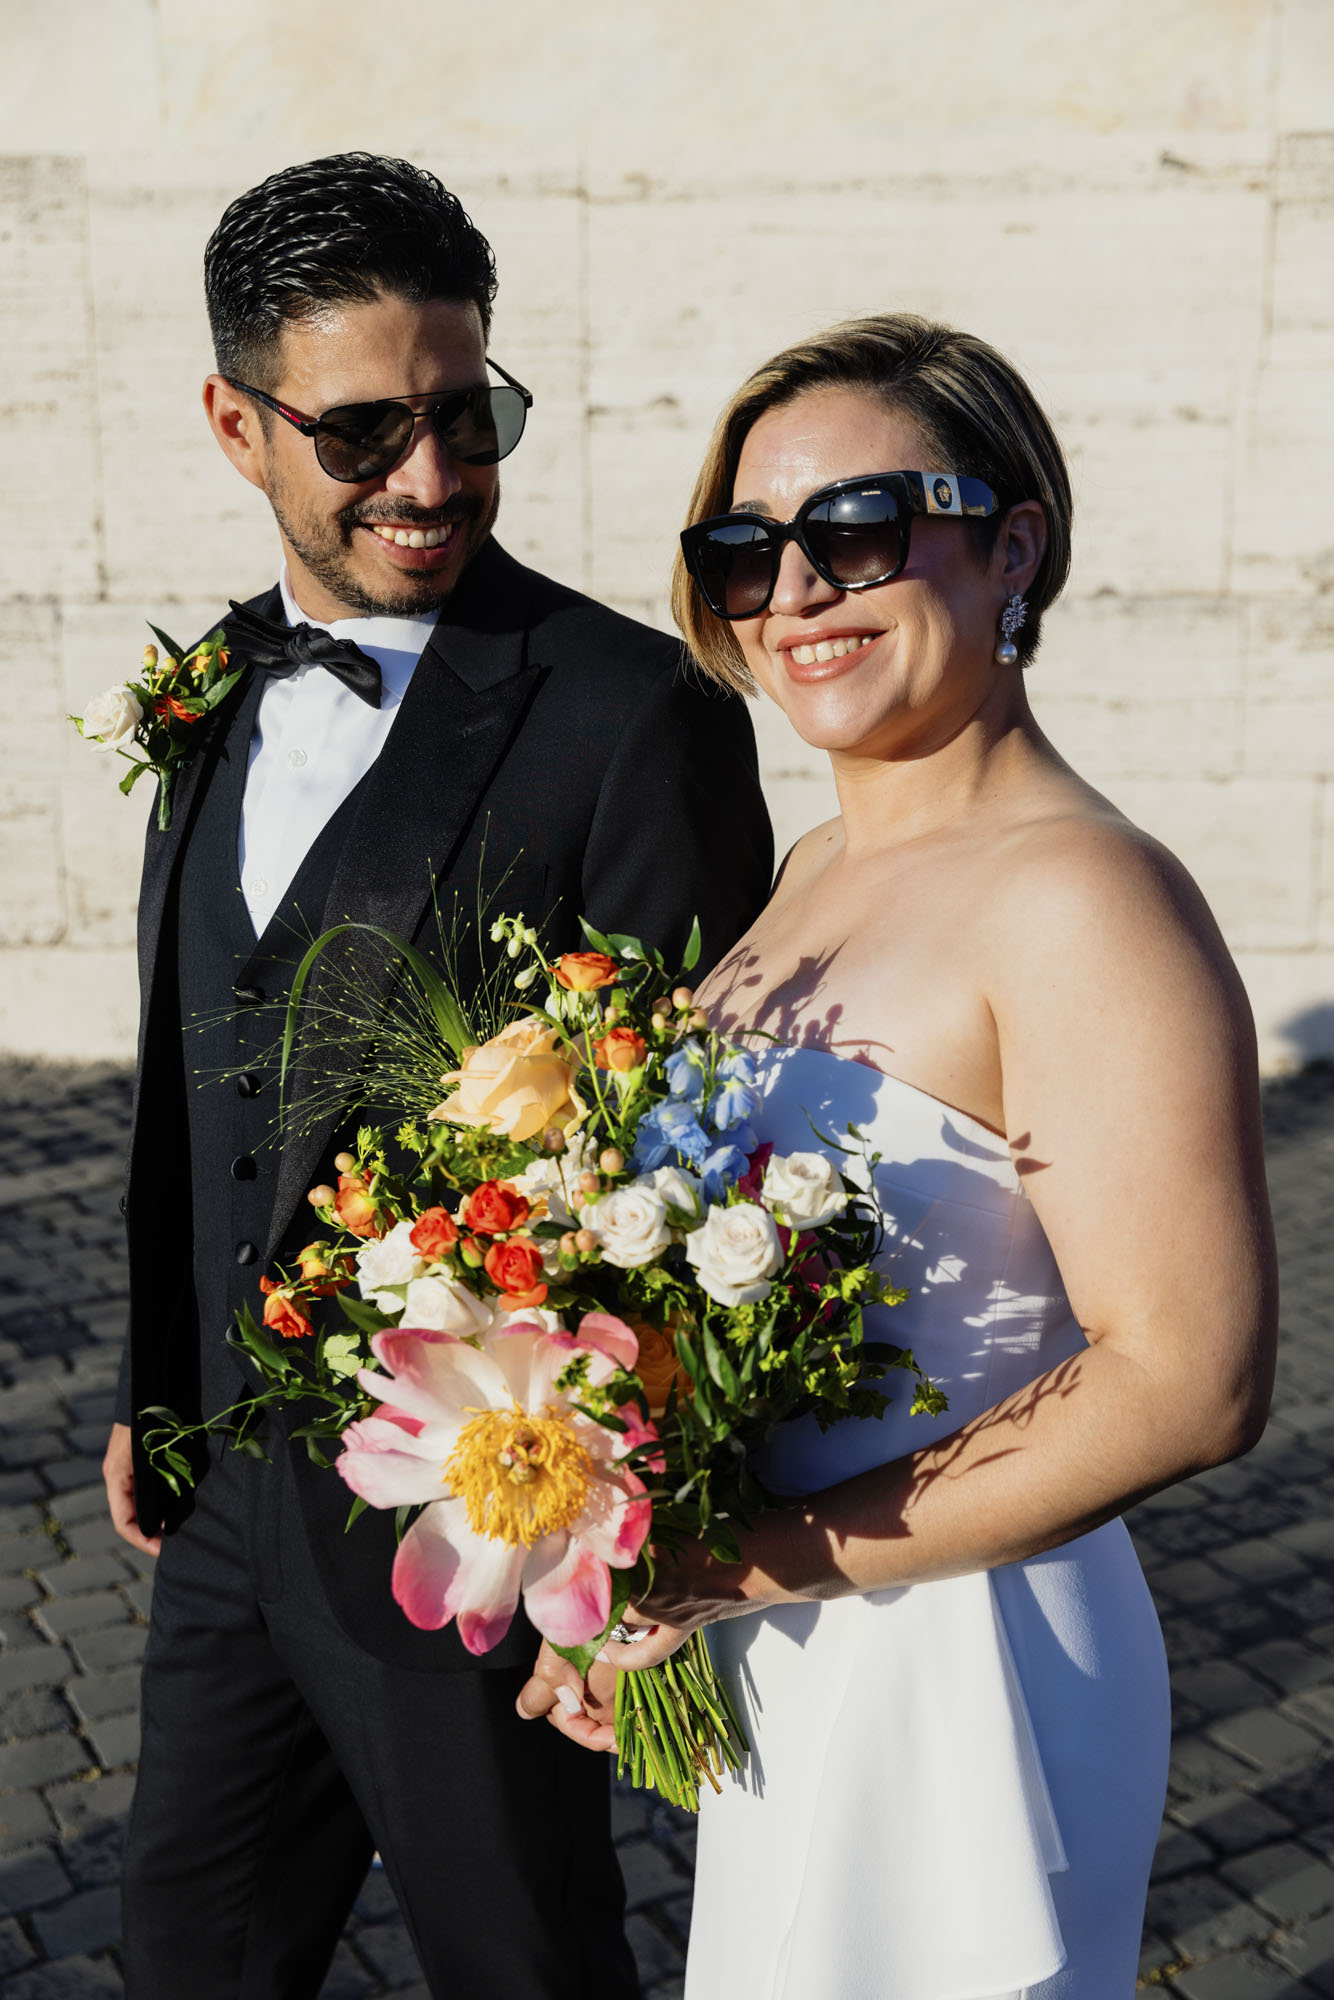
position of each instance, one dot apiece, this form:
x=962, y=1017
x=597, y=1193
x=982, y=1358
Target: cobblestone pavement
x=1241, y=1562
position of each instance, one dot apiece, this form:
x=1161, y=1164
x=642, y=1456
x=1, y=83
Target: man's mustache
x=404, y=513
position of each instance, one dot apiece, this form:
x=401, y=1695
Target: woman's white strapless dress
x=956, y=1788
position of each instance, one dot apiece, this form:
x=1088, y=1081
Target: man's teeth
x=413, y=538
x=831, y=649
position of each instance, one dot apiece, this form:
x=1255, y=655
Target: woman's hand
x=583, y=1710
x=690, y=1590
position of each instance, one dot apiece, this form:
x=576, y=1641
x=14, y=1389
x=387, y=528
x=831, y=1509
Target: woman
x=954, y=1677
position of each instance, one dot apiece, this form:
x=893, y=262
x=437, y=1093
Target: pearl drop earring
x=1013, y=616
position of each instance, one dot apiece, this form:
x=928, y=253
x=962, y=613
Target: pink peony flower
x=522, y=1492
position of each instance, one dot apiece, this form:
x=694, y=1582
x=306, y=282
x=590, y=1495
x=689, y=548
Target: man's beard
x=324, y=549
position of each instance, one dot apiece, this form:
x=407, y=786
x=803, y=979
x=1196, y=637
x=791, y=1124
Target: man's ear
x=1020, y=547
x=236, y=423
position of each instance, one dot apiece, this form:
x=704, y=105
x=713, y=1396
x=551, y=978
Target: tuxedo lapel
x=163, y=848
x=462, y=707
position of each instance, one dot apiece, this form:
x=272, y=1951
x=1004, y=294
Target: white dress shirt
x=313, y=740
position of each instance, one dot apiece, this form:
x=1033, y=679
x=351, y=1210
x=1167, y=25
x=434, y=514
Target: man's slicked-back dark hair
x=345, y=228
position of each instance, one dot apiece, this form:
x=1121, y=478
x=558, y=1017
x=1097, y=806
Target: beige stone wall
x=1135, y=201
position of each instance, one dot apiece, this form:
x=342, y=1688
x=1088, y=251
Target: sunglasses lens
x=857, y=538
x=360, y=440
x=733, y=564
x=486, y=428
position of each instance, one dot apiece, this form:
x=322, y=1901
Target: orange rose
x=322, y=1277
x=620, y=1048
x=494, y=1208
x=280, y=1313
x=517, y=1084
x=354, y=1207
x=515, y=1267
x=434, y=1233
x=658, y=1366
x=583, y=971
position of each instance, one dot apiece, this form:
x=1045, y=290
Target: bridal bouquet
x=550, y=1321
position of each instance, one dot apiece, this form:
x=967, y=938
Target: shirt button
x=249, y=1085
x=257, y=885
x=244, y=1168
x=296, y=758
x=247, y=1253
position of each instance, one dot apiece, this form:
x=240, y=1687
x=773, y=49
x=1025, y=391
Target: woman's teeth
x=830, y=649
x=413, y=538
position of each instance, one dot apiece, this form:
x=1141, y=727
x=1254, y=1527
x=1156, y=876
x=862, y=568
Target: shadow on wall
x=1310, y=1034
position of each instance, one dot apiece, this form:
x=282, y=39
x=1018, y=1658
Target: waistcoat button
x=247, y=1253
x=249, y=1085
x=244, y=1168
x=249, y=996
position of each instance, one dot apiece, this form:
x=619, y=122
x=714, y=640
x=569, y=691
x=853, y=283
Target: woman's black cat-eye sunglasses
x=854, y=534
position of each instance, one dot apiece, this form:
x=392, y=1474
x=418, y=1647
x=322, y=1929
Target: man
x=486, y=724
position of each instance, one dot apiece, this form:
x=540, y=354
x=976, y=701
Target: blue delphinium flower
x=669, y=1129
x=732, y=1104
x=722, y=1168
x=685, y=1070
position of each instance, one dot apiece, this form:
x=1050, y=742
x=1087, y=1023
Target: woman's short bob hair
x=975, y=414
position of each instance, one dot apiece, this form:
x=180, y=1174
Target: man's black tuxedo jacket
x=542, y=735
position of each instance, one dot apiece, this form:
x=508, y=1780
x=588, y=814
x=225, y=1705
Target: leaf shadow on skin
x=797, y=1013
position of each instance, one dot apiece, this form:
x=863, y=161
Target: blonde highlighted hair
x=975, y=413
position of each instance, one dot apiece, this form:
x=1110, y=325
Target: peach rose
x=620, y=1048
x=354, y=1207
x=583, y=971
x=318, y=1273
x=518, y=1083
x=658, y=1366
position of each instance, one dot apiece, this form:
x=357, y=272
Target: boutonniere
x=154, y=721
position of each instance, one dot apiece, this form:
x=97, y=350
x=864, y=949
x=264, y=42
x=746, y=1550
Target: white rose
x=803, y=1190
x=443, y=1305
x=392, y=1260
x=112, y=719
x=736, y=1253
x=678, y=1188
x=545, y=1180
x=550, y=1322
x=630, y=1224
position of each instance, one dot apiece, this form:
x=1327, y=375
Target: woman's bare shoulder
x=807, y=857
x=1088, y=891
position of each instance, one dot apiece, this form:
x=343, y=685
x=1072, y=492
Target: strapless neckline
x=885, y=1076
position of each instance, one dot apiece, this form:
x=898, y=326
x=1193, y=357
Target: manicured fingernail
x=569, y=1701
x=604, y=1656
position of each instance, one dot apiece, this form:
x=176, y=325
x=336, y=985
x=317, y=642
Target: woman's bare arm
x=1132, y=1110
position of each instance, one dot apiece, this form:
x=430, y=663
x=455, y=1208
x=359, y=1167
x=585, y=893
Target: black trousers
x=277, y=1755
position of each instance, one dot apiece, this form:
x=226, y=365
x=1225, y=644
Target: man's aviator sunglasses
x=853, y=534
x=359, y=441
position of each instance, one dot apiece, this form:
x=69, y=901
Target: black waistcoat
x=224, y=973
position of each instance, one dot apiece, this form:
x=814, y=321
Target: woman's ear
x=1020, y=547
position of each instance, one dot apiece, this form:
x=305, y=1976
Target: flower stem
x=675, y=1723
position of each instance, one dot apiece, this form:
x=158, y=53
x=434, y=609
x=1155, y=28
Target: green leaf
x=596, y=939
x=355, y=1512
x=366, y=1318
x=132, y=777
x=694, y=945
x=169, y=645
x=220, y=690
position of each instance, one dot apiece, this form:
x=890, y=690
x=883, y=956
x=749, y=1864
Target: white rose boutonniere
x=803, y=1190
x=110, y=721
x=736, y=1254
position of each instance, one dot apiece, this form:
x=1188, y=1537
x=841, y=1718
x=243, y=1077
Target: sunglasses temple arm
x=512, y=380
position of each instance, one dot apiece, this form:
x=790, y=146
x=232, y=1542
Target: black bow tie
x=281, y=649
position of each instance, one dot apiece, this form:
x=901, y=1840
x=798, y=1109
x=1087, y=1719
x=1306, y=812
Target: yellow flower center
x=521, y=1476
